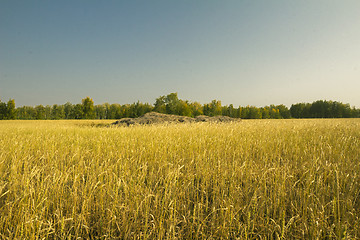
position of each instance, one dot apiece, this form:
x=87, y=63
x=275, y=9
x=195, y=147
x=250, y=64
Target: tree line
x=171, y=104
x=8, y=110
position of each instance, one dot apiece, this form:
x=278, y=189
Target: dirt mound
x=158, y=118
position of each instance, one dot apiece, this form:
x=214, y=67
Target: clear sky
x=253, y=52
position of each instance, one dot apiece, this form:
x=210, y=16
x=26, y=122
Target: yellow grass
x=291, y=179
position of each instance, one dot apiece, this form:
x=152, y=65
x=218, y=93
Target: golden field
x=256, y=179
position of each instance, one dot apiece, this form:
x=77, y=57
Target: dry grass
x=269, y=179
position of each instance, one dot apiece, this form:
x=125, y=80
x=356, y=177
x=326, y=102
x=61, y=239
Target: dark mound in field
x=158, y=118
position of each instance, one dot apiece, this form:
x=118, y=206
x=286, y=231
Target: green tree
x=107, y=110
x=346, y=111
x=265, y=113
x=230, y=111
x=143, y=108
x=206, y=109
x=11, y=110
x=296, y=110
x=184, y=109
x=47, y=112
x=245, y=112
x=169, y=104
x=88, y=108
x=214, y=108
x=284, y=111
x=159, y=105
x=355, y=112
x=196, y=109
x=306, y=110
x=274, y=112
x=115, y=111
x=40, y=112
x=254, y=113
x=172, y=103
x=125, y=111
x=57, y=112
x=100, y=111
x=3, y=110
x=77, y=111
x=67, y=110
x=26, y=112
x=317, y=109
x=138, y=109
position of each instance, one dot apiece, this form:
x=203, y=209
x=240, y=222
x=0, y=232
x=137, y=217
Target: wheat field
x=256, y=179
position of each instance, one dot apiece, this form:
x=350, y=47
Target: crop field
x=254, y=179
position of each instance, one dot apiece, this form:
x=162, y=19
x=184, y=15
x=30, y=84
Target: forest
x=171, y=104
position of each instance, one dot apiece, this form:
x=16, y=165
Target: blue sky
x=240, y=52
